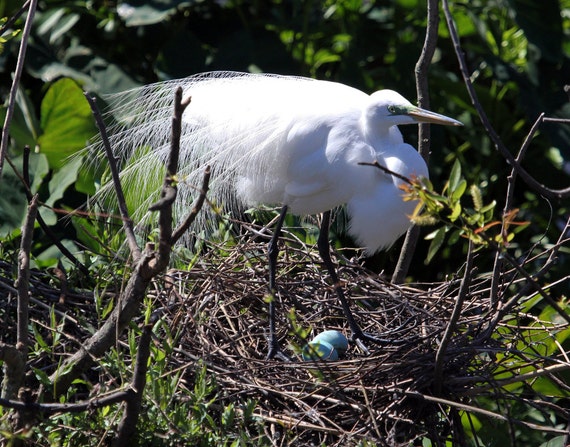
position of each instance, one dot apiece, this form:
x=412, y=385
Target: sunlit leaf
x=459, y=190
x=455, y=176
x=66, y=121
x=436, y=244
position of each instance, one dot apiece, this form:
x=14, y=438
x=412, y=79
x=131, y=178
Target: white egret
x=289, y=141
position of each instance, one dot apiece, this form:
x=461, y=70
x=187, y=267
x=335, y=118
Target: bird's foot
x=359, y=338
x=275, y=352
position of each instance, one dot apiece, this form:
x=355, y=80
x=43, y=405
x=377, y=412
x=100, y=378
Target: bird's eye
x=392, y=109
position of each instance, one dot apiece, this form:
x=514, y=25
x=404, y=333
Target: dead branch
x=127, y=221
x=15, y=357
x=128, y=425
x=23, y=281
x=150, y=263
x=14, y=369
x=527, y=178
x=424, y=130
x=16, y=82
x=454, y=318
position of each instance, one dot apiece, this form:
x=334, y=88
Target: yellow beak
x=425, y=116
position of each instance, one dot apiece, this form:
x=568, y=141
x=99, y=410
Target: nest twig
x=391, y=396
x=217, y=314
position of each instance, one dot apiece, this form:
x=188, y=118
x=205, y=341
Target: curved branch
x=527, y=178
x=16, y=82
x=127, y=221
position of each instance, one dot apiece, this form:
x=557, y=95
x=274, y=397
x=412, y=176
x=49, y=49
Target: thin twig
x=511, y=179
x=181, y=229
x=472, y=409
x=15, y=17
x=519, y=378
x=127, y=221
x=24, y=177
x=527, y=178
x=451, y=326
x=78, y=407
x=376, y=164
x=128, y=425
x=16, y=82
x=531, y=281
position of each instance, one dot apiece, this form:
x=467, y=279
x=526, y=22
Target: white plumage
x=277, y=140
x=280, y=140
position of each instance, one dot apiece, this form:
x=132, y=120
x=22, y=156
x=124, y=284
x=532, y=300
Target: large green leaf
x=66, y=122
x=62, y=179
x=24, y=127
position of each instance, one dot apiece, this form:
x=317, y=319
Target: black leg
x=324, y=250
x=272, y=252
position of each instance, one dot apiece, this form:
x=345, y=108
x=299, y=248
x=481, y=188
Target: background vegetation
x=518, y=57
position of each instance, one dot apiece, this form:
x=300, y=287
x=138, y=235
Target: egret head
x=388, y=108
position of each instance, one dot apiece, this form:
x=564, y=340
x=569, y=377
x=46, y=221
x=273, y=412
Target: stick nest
x=403, y=390
x=421, y=381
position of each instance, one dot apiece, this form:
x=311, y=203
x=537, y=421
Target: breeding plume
x=279, y=140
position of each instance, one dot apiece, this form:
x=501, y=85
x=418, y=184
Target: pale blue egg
x=335, y=338
x=319, y=350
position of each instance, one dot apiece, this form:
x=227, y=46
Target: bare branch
x=149, y=264
x=16, y=82
x=169, y=189
x=23, y=281
x=181, y=229
x=422, y=66
x=128, y=425
x=527, y=178
x=127, y=222
x=451, y=325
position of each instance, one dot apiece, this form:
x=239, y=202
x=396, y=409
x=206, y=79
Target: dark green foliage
x=518, y=68
x=518, y=55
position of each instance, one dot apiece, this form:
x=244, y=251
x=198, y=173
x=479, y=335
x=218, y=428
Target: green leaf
x=13, y=201
x=48, y=20
x=559, y=441
x=66, y=122
x=488, y=207
x=459, y=190
x=62, y=179
x=42, y=376
x=51, y=256
x=436, y=243
x=455, y=176
x=64, y=26
x=150, y=13
x=24, y=128
x=546, y=387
